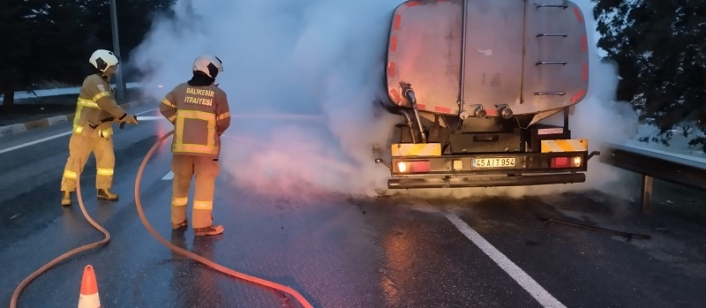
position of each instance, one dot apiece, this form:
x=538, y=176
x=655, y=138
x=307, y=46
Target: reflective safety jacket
x=200, y=115
x=95, y=104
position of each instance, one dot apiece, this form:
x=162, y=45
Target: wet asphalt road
x=335, y=250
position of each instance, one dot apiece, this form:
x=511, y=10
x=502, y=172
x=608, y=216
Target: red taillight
x=565, y=162
x=414, y=166
x=559, y=162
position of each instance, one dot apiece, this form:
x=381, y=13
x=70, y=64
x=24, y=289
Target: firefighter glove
x=130, y=119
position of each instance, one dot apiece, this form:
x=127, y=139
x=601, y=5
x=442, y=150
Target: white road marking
x=524, y=280
x=33, y=142
x=169, y=176
x=24, y=145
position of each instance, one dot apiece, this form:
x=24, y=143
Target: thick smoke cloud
x=312, y=70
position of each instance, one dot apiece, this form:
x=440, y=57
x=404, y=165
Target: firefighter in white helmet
x=200, y=114
x=96, y=109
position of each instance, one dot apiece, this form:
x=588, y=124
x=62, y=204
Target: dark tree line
x=51, y=40
x=660, y=49
x=658, y=45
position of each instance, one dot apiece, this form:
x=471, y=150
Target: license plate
x=499, y=162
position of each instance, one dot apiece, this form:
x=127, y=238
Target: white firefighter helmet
x=209, y=65
x=102, y=59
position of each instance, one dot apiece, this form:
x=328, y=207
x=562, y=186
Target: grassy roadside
x=31, y=109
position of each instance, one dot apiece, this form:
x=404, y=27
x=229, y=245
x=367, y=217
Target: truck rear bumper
x=488, y=164
x=423, y=166
x=484, y=181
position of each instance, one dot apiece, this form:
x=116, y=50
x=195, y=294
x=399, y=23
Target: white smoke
x=313, y=57
x=323, y=58
x=599, y=117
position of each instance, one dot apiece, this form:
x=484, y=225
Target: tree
x=660, y=50
x=134, y=21
x=51, y=40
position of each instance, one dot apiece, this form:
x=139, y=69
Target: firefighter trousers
x=205, y=170
x=80, y=148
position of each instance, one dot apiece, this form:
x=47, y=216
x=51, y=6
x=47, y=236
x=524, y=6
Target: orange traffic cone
x=89, y=290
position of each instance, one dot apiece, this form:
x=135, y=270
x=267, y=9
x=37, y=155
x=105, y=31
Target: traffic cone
x=89, y=290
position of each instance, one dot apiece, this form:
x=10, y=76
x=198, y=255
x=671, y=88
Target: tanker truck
x=472, y=80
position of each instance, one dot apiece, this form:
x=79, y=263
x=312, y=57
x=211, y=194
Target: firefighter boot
x=66, y=200
x=210, y=230
x=105, y=194
x=180, y=226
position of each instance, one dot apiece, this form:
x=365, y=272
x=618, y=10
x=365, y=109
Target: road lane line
x=24, y=145
x=169, y=176
x=33, y=142
x=524, y=280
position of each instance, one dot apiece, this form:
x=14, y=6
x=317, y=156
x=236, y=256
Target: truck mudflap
x=484, y=181
x=422, y=165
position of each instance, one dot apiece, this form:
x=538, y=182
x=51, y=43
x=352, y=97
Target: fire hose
x=194, y=256
x=145, y=222
x=41, y=270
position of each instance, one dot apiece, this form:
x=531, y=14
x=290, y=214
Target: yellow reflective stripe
x=415, y=149
x=100, y=95
x=180, y=201
x=82, y=102
x=106, y=132
x=194, y=148
x=69, y=174
x=565, y=145
x=203, y=205
x=88, y=103
x=77, y=116
x=210, y=119
x=168, y=103
x=222, y=116
x=179, y=130
x=196, y=114
x=104, y=171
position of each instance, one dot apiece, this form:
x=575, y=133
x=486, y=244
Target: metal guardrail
x=652, y=165
x=61, y=91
